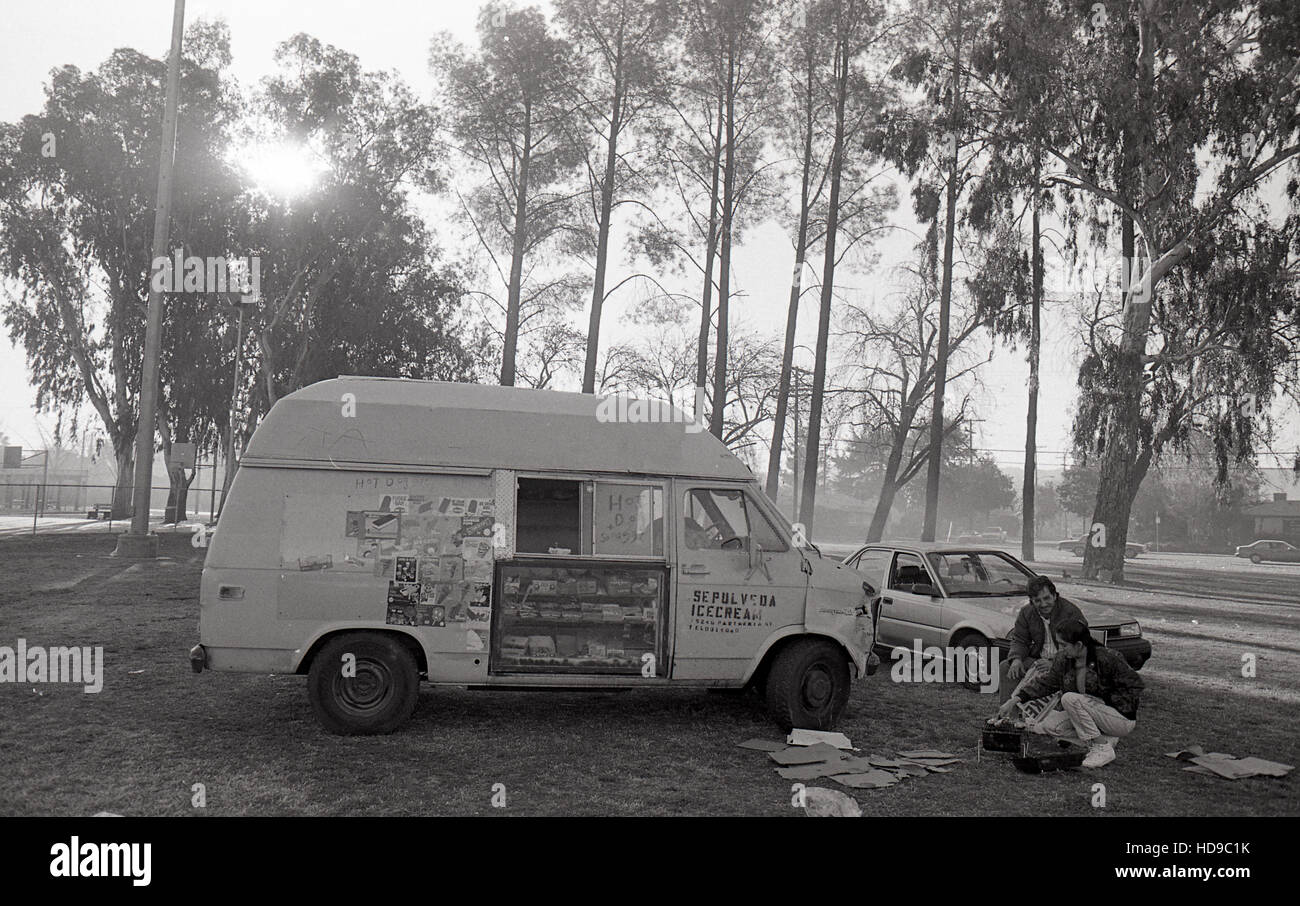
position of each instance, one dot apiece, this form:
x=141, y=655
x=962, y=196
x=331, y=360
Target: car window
x=712, y=516
x=871, y=563
x=907, y=573
x=983, y=573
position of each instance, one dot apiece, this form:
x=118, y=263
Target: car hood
x=1096, y=613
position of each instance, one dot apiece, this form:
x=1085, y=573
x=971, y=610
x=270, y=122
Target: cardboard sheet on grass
x=817, y=755
x=1229, y=767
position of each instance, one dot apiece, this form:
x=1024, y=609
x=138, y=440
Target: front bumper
x=198, y=658
x=1135, y=649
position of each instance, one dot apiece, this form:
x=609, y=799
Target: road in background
x=1216, y=576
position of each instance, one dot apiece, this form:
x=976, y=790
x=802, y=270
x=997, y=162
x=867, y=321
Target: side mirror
x=868, y=589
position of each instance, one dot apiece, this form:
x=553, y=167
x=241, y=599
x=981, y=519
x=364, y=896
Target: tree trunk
x=1119, y=476
x=792, y=311
x=175, y=510
x=710, y=251
x=1031, y=416
x=945, y=303
x=602, y=239
x=724, y=260
x=808, y=501
x=124, y=454
x=511, y=339
x=888, y=490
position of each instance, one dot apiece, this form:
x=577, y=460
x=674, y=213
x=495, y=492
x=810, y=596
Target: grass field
x=139, y=746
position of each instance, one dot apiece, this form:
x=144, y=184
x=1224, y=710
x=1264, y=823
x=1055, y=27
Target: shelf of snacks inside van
x=571, y=612
x=611, y=587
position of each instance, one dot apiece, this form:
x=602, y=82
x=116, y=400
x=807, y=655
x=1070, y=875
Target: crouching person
x=1099, y=694
x=1033, y=643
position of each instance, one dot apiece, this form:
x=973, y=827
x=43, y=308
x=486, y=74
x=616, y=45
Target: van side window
x=628, y=520
x=551, y=515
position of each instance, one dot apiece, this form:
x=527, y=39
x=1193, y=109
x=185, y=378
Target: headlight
x=1130, y=629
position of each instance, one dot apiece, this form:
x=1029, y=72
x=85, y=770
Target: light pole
x=138, y=543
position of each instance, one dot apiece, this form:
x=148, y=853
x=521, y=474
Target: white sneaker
x=1099, y=755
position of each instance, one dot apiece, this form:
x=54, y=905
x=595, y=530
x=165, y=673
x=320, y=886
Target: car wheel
x=380, y=694
x=977, y=640
x=1256, y=558
x=808, y=686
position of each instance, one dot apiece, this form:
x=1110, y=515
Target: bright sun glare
x=282, y=170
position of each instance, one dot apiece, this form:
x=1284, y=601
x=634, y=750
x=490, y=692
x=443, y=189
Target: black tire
x=1256, y=558
x=977, y=640
x=808, y=685
x=378, y=699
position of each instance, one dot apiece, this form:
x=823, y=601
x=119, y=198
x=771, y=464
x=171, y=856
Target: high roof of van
x=434, y=423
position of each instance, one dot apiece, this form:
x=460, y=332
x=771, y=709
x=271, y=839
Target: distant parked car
x=1275, y=551
x=1076, y=546
x=990, y=535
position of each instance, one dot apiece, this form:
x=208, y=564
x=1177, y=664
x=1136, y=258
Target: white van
x=383, y=531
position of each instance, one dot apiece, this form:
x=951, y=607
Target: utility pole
x=138, y=543
x=970, y=436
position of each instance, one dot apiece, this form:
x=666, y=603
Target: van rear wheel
x=363, y=683
x=808, y=686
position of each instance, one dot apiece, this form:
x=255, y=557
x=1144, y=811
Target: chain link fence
x=33, y=507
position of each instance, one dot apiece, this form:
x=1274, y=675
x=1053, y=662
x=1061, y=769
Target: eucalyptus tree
x=624, y=44
x=1183, y=124
x=513, y=108
x=77, y=193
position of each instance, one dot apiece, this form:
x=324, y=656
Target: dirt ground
x=156, y=731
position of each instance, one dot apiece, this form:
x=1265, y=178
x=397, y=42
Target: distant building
x=1277, y=520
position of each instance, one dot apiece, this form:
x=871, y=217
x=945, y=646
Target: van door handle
x=695, y=569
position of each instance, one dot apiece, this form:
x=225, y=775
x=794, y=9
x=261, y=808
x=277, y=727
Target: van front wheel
x=808, y=685
x=363, y=683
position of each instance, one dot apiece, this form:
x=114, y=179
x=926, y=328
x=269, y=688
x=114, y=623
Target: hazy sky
x=390, y=34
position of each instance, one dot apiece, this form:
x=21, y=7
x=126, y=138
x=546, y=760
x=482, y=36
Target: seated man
x=1033, y=642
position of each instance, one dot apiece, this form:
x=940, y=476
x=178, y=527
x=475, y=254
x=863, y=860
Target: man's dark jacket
x=1027, y=636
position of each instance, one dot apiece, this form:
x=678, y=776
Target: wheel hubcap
x=368, y=690
x=818, y=687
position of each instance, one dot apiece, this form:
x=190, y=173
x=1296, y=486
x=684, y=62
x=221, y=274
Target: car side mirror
x=868, y=589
